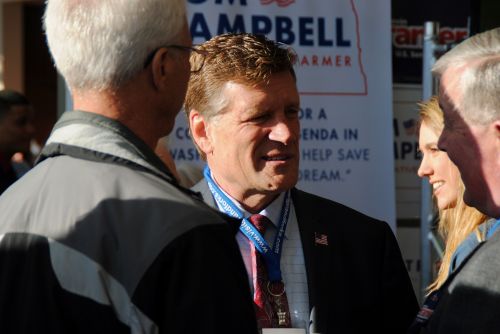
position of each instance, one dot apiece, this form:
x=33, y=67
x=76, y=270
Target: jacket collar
x=98, y=133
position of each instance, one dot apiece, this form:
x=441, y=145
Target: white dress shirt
x=293, y=268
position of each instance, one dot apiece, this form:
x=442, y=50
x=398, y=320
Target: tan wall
x=27, y=64
x=13, y=32
x=1, y=47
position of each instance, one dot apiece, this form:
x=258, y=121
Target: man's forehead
x=443, y=99
x=237, y=84
x=450, y=89
x=447, y=106
x=20, y=110
x=451, y=78
x=261, y=90
x=16, y=111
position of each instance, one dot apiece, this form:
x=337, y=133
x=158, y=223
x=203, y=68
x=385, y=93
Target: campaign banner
x=406, y=152
x=408, y=18
x=344, y=79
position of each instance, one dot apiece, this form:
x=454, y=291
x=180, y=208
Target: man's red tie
x=270, y=301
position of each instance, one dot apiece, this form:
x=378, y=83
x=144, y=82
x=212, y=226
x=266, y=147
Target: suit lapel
x=307, y=223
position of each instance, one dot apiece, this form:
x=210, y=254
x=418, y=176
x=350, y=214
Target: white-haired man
x=469, y=95
x=98, y=237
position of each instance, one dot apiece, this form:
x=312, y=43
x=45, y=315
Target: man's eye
x=259, y=118
x=292, y=112
x=22, y=121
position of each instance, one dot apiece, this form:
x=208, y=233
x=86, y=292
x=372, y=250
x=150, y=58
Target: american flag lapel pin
x=320, y=239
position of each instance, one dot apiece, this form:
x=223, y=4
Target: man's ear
x=496, y=124
x=200, y=131
x=160, y=67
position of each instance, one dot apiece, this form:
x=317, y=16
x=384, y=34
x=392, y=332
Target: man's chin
x=283, y=185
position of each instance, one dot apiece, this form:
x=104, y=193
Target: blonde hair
x=457, y=222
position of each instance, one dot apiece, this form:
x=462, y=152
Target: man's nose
x=30, y=128
x=282, y=132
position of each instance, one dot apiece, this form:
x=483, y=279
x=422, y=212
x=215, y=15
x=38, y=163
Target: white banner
x=345, y=82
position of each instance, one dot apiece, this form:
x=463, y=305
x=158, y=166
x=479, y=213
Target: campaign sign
x=344, y=79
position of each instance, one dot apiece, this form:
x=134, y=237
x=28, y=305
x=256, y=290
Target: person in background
x=313, y=264
x=469, y=95
x=462, y=227
x=99, y=237
x=16, y=133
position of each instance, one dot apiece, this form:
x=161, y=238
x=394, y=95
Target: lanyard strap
x=272, y=256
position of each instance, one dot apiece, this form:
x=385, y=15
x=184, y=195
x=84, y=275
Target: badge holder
x=276, y=291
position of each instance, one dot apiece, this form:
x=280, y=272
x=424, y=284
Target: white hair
x=102, y=44
x=479, y=57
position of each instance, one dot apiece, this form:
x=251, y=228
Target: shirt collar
x=272, y=211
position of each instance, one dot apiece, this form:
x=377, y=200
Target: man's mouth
x=277, y=158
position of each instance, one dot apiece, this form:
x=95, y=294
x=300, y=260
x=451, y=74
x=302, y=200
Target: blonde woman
x=462, y=227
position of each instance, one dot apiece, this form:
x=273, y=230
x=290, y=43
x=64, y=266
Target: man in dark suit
x=328, y=268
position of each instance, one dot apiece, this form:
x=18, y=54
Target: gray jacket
x=98, y=237
x=470, y=301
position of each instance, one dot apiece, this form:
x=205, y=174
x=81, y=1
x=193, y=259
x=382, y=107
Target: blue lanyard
x=272, y=257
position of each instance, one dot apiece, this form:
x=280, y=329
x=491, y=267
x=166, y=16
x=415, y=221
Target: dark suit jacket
x=357, y=283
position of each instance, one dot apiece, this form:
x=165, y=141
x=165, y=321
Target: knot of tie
x=260, y=222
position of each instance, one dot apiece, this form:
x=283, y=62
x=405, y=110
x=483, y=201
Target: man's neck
x=122, y=108
x=251, y=201
x=257, y=202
